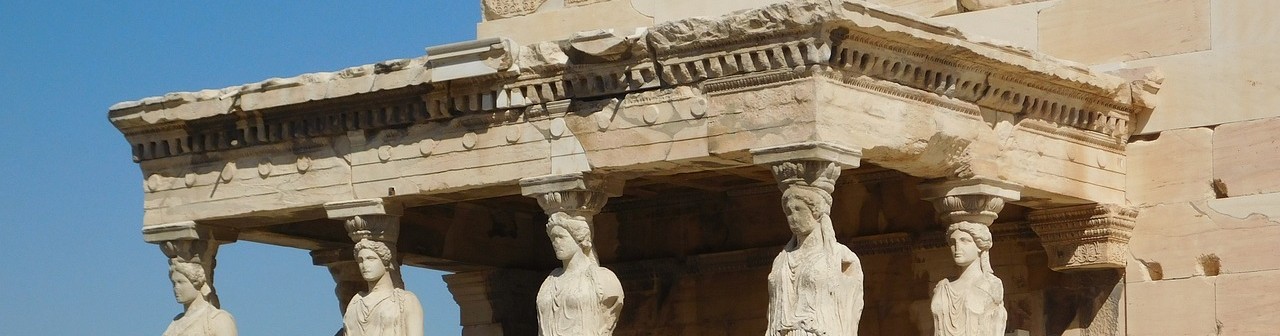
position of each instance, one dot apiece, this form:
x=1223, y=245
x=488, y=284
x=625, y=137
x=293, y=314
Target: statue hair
x=820, y=204
x=194, y=273
x=981, y=236
x=378, y=248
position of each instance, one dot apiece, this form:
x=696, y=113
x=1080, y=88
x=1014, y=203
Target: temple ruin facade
x=690, y=151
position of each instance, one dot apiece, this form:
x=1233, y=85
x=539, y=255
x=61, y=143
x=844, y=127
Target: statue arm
x=412, y=314
x=611, y=300
x=223, y=325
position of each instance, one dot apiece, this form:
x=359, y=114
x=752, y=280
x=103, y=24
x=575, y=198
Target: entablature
x=670, y=75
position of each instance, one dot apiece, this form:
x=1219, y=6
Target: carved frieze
x=1085, y=237
x=497, y=9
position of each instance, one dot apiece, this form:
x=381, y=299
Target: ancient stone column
x=192, y=250
x=496, y=302
x=579, y=298
x=384, y=307
x=342, y=266
x=1090, y=243
x=970, y=303
x=816, y=284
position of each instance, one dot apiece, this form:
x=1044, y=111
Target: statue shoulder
x=995, y=286
x=222, y=323
x=941, y=284
x=608, y=281
x=406, y=296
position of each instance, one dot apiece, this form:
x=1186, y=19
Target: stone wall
x=1203, y=253
x=529, y=21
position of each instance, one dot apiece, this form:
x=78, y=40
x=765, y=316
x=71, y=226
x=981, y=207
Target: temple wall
x=1203, y=176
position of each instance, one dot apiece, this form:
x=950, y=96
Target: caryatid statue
x=385, y=309
x=581, y=298
x=200, y=317
x=970, y=303
x=192, y=250
x=816, y=285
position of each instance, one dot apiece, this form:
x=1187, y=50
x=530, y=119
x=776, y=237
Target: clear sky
x=74, y=262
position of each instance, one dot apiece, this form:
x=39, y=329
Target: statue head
x=969, y=242
x=374, y=258
x=189, y=282
x=805, y=207
x=569, y=236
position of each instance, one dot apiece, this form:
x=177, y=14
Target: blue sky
x=74, y=259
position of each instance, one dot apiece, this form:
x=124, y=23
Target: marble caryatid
x=581, y=298
x=384, y=309
x=815, y=287
x=972, y=303
x=200, y=317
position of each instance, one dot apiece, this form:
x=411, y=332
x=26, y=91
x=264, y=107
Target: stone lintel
x=1085, y=237
x=808, y=151
x=188, y=230
x=332, y=256
x=470, y=59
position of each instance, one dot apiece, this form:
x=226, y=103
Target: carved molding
x=1086, y=236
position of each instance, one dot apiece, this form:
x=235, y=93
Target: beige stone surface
x=1244, y=207
x=560, y=24
x=1170, y=307
x=1179, y=166
x=1232, y=82
x=924, y=8
x=1018, y=25
x=1192, y=239
x=1246, y=303
x=1166, y=235
x=1245, y=156
x=1102, y=31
